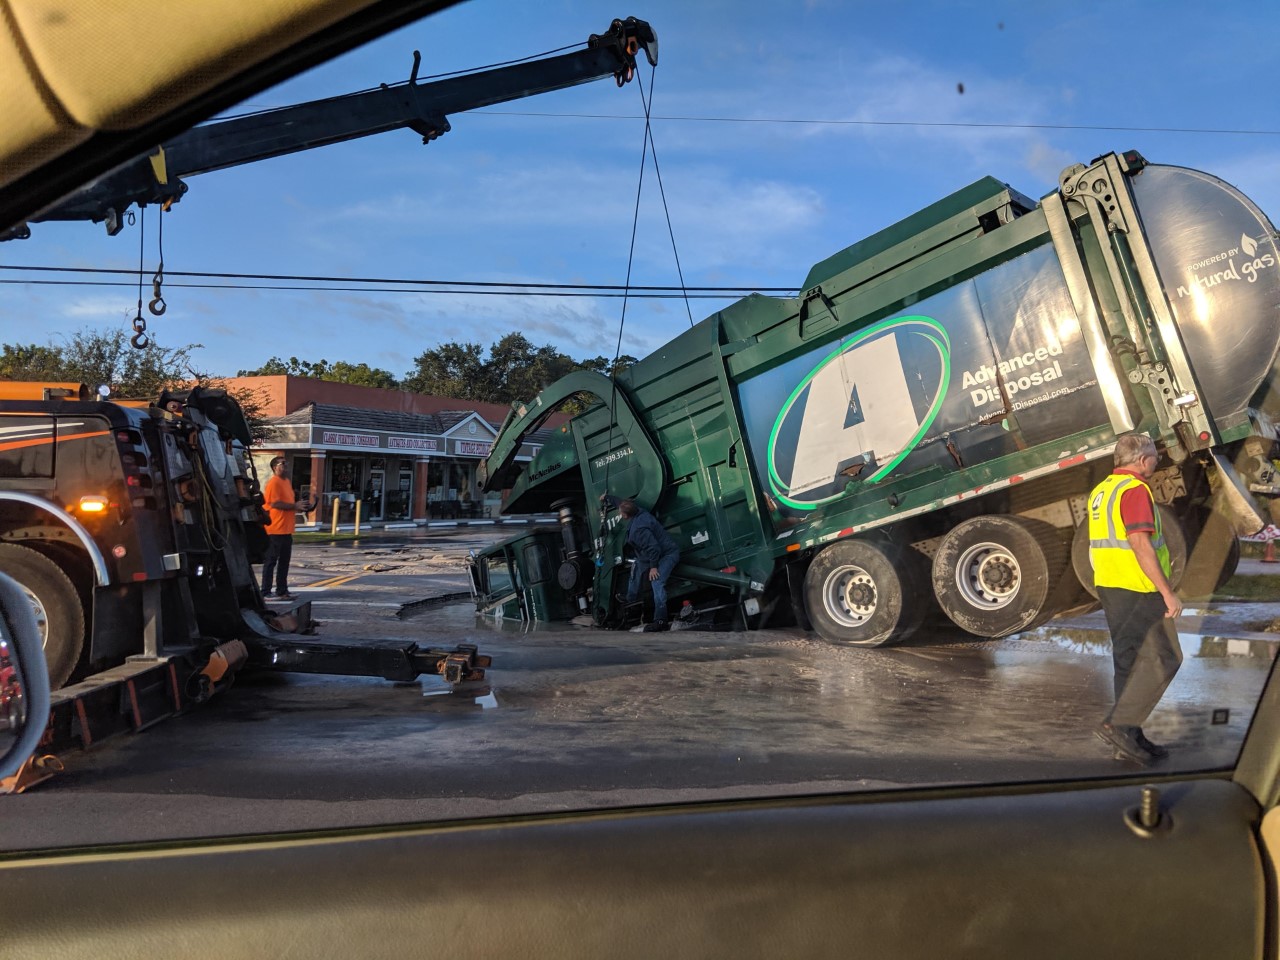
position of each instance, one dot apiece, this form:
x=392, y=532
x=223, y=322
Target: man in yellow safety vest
x=1131, y=571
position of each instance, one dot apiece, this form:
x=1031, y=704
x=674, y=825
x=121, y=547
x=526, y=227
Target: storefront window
x=345, y=486
x=435, y=480
x=399, y=496
x=300, y=474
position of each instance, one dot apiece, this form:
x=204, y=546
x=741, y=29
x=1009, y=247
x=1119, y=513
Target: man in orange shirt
x=282, y=506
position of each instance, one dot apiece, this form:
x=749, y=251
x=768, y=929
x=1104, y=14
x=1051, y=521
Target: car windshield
x=865, y=397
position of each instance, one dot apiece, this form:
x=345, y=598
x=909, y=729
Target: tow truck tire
x=997, y=575
x=59, y=614
x=864, y=593
x=1174, y=537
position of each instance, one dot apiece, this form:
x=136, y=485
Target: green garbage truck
x=917, y=432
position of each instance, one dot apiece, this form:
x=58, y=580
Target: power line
x=512, y=287
x=818, y=121
x=674, y=294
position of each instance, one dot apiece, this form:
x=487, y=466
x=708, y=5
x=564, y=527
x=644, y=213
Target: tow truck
x=131, y=528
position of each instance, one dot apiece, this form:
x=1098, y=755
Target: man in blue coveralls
x=656, y=555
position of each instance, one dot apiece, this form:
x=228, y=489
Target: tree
x=98, y=358
x=360, y=374
x=275, y=367
x=449, y=370
x=101, y=358
x=605, y=365
x=30, y=362
x=515, y=370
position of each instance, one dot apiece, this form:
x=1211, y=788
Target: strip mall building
x=405, y=456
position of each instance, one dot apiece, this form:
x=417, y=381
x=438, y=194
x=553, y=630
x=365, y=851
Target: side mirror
x=24, y=679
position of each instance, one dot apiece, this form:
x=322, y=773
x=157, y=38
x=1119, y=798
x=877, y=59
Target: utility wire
x=675, y=293
x=142, y=241
x=818, y=121
x=631, y=252
x=653, y=151
x=728, y=291
x=622, y=322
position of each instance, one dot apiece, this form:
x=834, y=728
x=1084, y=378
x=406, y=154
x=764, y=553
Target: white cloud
x=99, y=308
x=1046, y=161
x=719, y=218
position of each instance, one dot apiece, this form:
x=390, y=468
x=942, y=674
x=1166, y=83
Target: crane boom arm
x=422, y=107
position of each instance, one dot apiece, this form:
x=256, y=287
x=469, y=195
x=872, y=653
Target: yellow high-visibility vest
x=1114, y=563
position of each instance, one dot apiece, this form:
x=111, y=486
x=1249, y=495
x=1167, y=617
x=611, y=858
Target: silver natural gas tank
x=1217, y=258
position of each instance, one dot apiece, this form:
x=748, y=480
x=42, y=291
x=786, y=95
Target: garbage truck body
x=918, y=431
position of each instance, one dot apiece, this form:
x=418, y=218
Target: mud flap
x=795, y=586
x=1232, y=499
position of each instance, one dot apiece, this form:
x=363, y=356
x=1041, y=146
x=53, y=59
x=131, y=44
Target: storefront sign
x=471, y=448
x=413, y=443
x=348, y=439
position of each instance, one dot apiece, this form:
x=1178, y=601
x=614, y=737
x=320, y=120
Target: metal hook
x=157, y=305
x=140, y=340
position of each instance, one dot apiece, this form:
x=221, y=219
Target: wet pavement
x=575, y=718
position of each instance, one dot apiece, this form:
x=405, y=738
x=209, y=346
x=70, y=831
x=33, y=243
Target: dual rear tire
x=865, y=593
x=991, y=576
x=997, y=575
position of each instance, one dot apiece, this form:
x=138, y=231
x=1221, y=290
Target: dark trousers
x=1144, y=649
x=279, y=551
x=640, y=575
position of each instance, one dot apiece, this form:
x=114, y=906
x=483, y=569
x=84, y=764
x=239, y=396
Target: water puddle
x=464, y=696
x=457, y=611
x=1098, y=642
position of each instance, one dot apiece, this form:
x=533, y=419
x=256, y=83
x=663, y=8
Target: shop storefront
x=398, y=467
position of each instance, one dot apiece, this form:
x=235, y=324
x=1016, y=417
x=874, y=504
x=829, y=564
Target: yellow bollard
x=358, y=502
x=334, y=529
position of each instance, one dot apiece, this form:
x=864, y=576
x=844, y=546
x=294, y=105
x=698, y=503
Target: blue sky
x=507, y=196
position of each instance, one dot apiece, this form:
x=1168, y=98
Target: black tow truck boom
x=422, y=107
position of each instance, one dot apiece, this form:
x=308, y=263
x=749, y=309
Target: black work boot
x=1156, y=750
x=1123, y=743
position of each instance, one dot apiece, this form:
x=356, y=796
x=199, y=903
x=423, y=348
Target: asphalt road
x=581, y=718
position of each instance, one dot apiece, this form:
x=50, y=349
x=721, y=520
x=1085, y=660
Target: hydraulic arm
x=422, y=107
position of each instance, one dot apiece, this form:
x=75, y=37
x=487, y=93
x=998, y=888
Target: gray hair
x=1132, y=447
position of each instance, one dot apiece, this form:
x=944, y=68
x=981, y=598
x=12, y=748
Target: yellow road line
x=333, y=581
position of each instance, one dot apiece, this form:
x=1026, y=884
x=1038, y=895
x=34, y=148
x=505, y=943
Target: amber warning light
x=93, y=504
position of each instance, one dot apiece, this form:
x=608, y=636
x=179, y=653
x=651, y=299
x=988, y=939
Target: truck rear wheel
x=863, y=593
x=996, y=575
x=53, y=596
x=1174, y=537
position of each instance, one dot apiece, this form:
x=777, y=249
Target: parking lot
x=575, y=718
